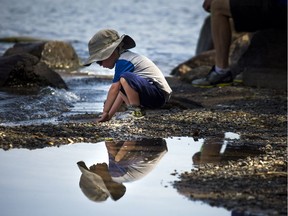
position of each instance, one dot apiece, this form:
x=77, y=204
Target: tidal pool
x=76, y=179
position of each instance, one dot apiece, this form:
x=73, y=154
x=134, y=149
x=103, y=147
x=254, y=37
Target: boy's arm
x=116, y=105
x=111, y=97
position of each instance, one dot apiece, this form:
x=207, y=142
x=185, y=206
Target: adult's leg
x=221, y=31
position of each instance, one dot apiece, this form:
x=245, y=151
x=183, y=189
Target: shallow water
x=46, y=181
x=86, y=94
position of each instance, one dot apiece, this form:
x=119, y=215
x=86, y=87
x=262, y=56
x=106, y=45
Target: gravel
x=254, y=185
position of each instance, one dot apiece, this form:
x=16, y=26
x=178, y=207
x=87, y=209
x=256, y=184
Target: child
x=137, y=80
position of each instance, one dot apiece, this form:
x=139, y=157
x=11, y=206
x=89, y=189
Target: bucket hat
x=97, y=188
x=104, y=42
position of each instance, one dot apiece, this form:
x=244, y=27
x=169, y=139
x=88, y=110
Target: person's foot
x=214, y=79
x=238, y=78
x=132, y=112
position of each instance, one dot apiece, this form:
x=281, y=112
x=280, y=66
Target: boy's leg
x=131, y=95
x=141, y=91
x=124, y=98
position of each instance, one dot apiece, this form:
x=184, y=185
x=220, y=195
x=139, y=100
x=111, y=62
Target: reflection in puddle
x=128, y=161
x=138, y=174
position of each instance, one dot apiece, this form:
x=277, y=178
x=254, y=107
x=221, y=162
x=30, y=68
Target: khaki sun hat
x=96, y=187
x=104, y=42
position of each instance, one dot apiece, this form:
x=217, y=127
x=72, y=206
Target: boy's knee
x=122, y=80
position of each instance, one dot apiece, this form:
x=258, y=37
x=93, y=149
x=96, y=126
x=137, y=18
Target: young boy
x=137, y=80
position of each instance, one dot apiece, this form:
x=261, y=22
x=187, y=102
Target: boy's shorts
x=149, y=93
x=253, y=15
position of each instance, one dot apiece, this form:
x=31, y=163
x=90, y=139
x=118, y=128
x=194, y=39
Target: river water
x=165, y=31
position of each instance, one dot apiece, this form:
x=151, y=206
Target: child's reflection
x=128, y=161
x=97, y=184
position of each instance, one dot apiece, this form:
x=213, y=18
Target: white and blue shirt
x=142, y=66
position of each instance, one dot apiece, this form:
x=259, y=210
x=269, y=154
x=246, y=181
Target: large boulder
x=25, y=69
x=205, y=41
x=58, y=55
x=264, y=64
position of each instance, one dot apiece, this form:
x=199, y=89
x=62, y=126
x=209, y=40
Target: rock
x=264, y=64
x=56, y=54
x=35, y=62
x=9, y=64
x=60, y=55
x=51, y=77
x=204, y=59
x=18, y=39
x=237, y=49
x=205, y=41
x=26, y=69
x=34, y=49
x=195, y=73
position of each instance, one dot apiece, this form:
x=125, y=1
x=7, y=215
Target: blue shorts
x=150, y=95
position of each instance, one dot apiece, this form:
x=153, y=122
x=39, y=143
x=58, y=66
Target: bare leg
x=221, y=31
x=124, y=98
x=132, y=95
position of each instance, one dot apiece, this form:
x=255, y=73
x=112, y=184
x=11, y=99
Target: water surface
x=165, y=31
x=46, y=182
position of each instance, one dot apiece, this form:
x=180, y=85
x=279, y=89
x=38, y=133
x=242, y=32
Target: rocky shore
x=257, y=184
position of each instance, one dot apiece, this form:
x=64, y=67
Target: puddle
x=222, y=149
x=123, y=178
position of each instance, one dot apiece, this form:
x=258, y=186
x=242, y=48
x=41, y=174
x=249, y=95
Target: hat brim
x=92, y=184
x=105, y=53
x=95, y=187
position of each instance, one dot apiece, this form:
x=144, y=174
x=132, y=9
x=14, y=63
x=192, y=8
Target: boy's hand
x=105, y=117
